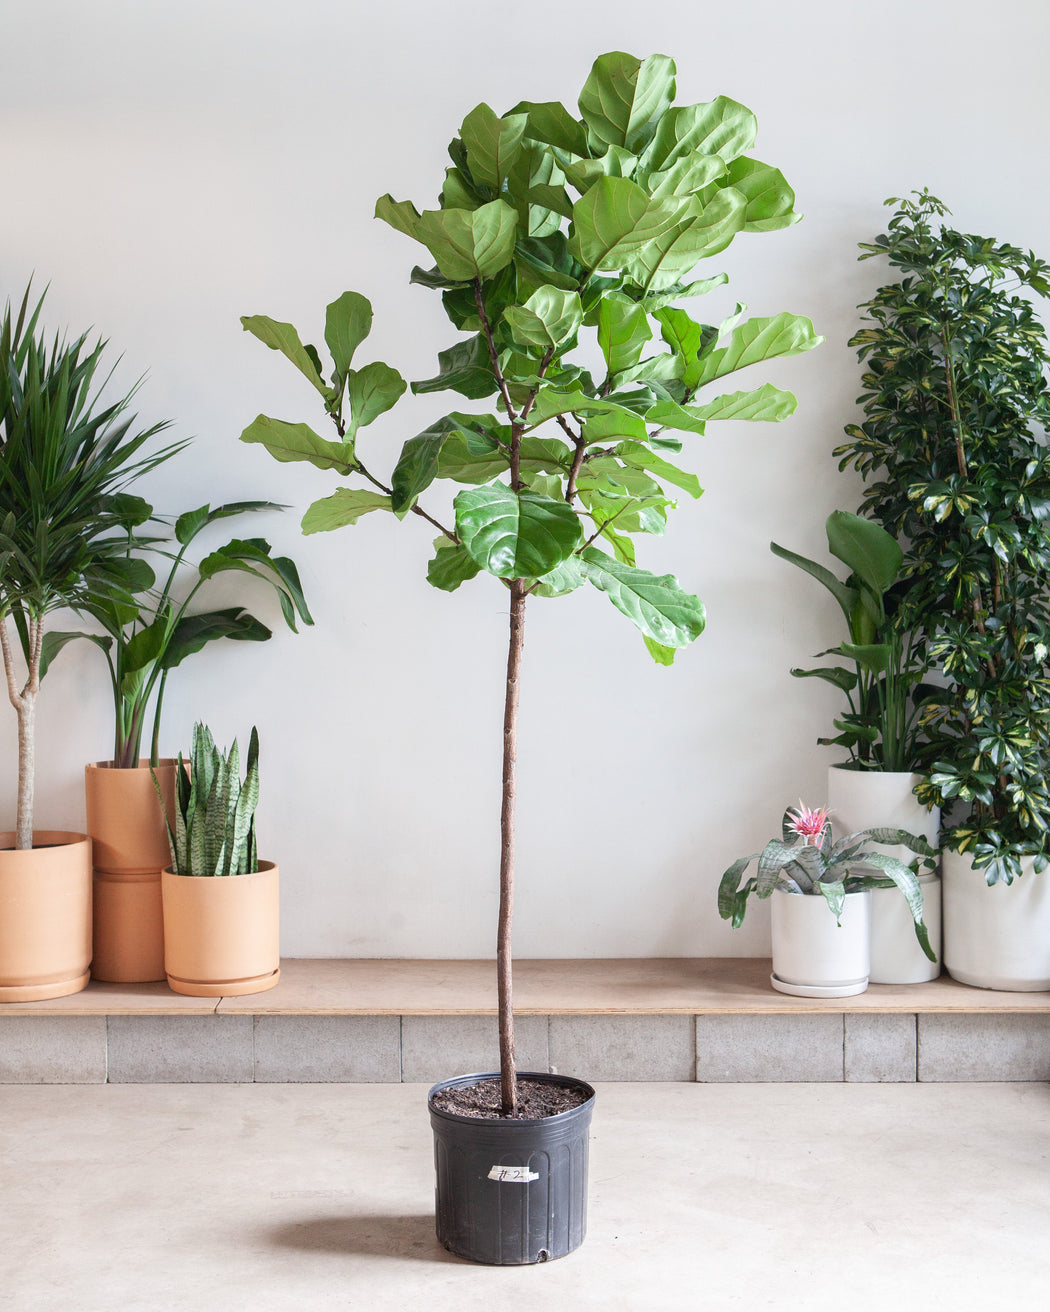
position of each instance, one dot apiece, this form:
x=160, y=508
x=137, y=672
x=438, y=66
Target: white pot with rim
x=885, y=799
x=998, y=936
x=815, y=955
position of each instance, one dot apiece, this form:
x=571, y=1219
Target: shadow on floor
x=410, y=1238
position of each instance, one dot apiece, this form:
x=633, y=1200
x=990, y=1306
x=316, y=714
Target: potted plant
x=876, y=786
x=552, y=231
x=144, y=638
x=66, y=456
x=808, y=874
x=953, y=446
x=221, y=903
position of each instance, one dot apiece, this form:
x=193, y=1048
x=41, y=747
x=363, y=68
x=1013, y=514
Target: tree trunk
x=26, y=770
x=508, y=1071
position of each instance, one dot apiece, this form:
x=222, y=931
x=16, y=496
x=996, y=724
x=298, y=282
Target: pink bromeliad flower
x=809, y=824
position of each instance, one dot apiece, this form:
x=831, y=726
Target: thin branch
x=9, y=665
x=601, y=528
x=486, y=329
x=531, y=398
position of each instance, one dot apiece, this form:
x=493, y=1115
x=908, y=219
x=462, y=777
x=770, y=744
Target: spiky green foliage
x=954, y=452
x=827, y=868
x=214, y=830
x=66, y=458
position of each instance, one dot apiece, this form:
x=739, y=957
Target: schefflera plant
x=552, y=230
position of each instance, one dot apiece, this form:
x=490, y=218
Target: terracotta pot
x=221, y=934
x=124, y=817
x=130, y=839
x=45, y=916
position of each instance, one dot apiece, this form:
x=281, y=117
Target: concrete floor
x=304, y=1198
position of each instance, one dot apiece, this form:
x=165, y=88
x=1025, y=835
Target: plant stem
x=504, y=960
x=24, y=702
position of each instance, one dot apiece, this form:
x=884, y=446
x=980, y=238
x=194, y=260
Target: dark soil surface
x=536, y=1101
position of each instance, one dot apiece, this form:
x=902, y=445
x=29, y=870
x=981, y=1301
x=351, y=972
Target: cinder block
x=623, y=1047
x=438, y=1047
x=775, y=1048
x=52, y=1050
x=975, y=1047
x=327, y=1049
x=180, y=1049
x=880, y=1049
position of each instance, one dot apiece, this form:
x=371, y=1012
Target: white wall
x=171, y=166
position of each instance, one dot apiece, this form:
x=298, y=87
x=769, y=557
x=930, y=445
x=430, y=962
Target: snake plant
x=214, y=831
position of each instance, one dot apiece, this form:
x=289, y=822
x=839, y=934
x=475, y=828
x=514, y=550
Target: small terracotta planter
x=222, y=933
x=45, y=916
x=127, y=827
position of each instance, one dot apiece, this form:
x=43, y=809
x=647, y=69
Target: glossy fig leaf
x=656, y=605
x=515, y=535
x=345, y=506
x=289, y=442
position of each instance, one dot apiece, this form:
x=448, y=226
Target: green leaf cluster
x=828, y=868
x=556, y=228
x=150, y=631
x=214, y=830
x=953, y=448
x=879, y=727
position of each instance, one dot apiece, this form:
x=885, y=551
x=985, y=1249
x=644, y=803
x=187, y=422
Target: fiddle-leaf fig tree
x=554, y=232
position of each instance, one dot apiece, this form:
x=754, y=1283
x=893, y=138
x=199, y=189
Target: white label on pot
x=513, y=1174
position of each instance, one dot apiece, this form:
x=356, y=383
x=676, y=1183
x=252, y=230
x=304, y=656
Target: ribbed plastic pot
x=511, y=1193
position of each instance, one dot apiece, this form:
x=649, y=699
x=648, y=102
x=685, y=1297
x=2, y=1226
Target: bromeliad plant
x=954, y=445
x=879, y=730
x=65, y=459
x=808, y=860
x=147, y=635
x=214, y=831
x=554, y=232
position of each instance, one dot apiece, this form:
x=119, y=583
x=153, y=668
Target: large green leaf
x=549, y=318
x=190, y=523
x=348, y=321
x=552, y=401
x=767, y=403
x=616, y=220
x=657, y=605
x=195, y=631
x=687, y=176
x=624, y=98
x=372, y=391
x=400, y=214
x=55, y=640
x=842, y=592
x=719, y=127
x=770, y=201
x=288, y=442
x=465, y=368
x=417, y=466
x=345, y=506
x=284, y=338
x=469, y=243
x=252, y=556
x=866, y=548
x=699, y=232
x=451, y=565
x=623, y=330
x=757, y=340
x=515, y=535
x=640, y=456
x=492, y=144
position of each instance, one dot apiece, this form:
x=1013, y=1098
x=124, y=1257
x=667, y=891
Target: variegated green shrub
x=214, y=831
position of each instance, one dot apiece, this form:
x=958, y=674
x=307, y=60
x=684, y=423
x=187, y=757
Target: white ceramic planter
x=996, y=937
x=815, y=956
x=870, y=799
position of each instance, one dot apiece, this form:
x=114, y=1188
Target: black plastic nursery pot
x=511, y=1192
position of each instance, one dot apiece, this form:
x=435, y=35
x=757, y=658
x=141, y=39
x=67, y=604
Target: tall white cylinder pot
x=885, y=799
x=815, y=955
x=996, y=937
